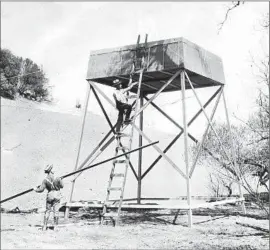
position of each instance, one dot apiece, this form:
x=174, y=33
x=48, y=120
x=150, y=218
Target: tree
x=219, y=186
x=234, y=5
x=33, y=82
x=251, y=158
x=22, y=77
x=9, y=70
x=251, y=145
x=251, y=139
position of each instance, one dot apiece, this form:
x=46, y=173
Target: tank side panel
x=161, y=56
x=104, y=65
x=127, y=57
x=172, y=55
x=202, y=62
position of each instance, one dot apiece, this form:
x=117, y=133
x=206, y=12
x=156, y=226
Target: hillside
x=34, y=135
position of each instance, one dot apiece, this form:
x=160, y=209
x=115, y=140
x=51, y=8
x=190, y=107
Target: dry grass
x=137, y=230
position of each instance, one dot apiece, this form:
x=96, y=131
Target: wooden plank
x=217, y=203
x=159, y=206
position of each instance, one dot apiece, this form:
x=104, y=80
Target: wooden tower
x=168, y=65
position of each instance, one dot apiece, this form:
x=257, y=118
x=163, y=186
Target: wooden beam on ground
x=217, y=203
x=254, y=227
x=159, y=206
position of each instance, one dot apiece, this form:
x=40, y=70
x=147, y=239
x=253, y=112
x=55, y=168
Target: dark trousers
x=122, y=108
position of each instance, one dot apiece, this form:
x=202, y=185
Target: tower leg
x=139, y=190
x=183, y=90
x=79, y=147
x=237, y=170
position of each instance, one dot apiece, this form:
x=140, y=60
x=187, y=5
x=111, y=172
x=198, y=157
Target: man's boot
x=46, y=218
x=55, y=222
x=56, y=219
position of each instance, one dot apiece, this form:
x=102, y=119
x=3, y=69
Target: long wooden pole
x=79, y=146
x=83, y=169
x=182, y=81
x=94, y=151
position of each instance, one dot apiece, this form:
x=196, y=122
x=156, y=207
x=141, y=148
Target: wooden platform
x=154, y=206
x=164, y=58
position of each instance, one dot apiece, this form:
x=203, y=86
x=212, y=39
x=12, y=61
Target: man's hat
x=116, y=82
x=48, y=169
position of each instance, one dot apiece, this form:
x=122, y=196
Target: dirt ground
x=212, y=229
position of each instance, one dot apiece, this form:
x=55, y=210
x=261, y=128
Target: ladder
x=140, y=54
x=118, y=171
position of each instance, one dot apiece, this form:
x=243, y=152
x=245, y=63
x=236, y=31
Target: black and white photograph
x=135, y=125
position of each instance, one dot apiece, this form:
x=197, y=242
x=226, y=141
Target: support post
x=79, y=147
x=234, y=157
x=139, y=190
x=182, y=81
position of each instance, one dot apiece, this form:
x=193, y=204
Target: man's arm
x=41, y=188
x=132, y=96
x=114, y=97
x=130, y=87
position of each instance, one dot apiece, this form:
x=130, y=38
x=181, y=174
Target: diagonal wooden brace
x=179, y=135
x=204, y=135
x=210, y=123
x=160, y=152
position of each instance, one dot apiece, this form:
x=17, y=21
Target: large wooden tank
x=163, y=59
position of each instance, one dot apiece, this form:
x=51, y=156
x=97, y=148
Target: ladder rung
x=111, y=214
x=119, y=161
x=122, y=135
x=117, y=175
x=115, y=189
x=124, y=148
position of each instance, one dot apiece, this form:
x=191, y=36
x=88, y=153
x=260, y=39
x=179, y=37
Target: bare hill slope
x=33, y=135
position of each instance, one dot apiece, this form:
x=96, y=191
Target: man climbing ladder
x=121, y=99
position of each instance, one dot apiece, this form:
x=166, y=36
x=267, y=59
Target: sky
x=60, y=35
